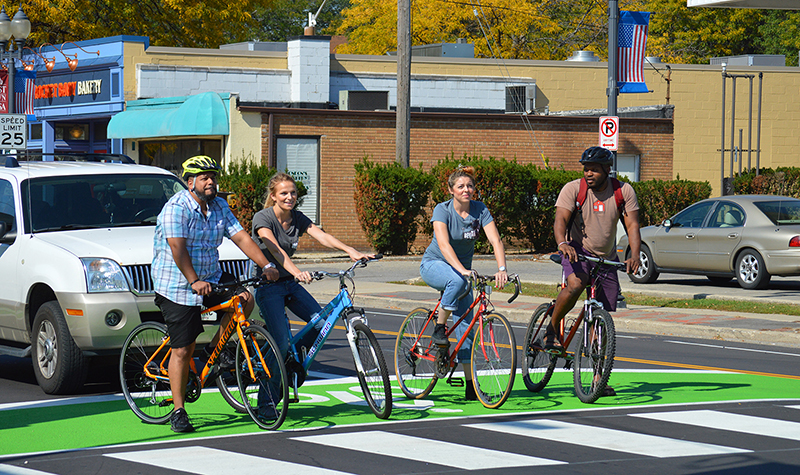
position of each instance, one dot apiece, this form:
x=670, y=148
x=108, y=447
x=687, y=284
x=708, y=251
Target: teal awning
x=201, y=114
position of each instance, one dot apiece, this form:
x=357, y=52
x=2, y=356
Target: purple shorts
x=607, y=280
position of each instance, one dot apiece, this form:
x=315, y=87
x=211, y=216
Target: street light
x=19, y=28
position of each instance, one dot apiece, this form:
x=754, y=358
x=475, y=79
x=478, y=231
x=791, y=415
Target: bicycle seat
x=555, y=258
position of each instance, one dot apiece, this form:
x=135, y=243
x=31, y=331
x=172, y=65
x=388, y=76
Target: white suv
x=76, y=244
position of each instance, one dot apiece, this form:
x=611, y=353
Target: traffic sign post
x=13, y=132
x=609, y=132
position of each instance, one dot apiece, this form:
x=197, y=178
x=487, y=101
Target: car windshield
x=780, y=212
x=94, y=201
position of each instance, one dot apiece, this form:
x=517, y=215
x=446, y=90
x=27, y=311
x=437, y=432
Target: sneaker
x=550, y=339
x=179, y=421
x=608, y=392
x=226, y=360
x=469, y=392
x=440, y=334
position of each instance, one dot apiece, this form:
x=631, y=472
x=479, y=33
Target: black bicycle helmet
x=599, y=155
x=199, y=164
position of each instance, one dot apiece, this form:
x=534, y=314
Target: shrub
x=390, y=203
x=782, y=181
x=660, y=199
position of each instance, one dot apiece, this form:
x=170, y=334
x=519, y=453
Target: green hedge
x=782, y=181
x=390, y=204
x=660, y=199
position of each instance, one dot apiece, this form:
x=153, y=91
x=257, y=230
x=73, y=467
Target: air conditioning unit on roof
x=520, y=99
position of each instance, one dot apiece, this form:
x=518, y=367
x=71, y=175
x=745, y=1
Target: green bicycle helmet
x=199, y=164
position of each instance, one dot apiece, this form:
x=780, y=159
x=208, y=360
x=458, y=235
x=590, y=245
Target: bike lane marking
x=102, y=422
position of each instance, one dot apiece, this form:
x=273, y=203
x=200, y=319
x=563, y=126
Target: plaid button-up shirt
x=182, y=218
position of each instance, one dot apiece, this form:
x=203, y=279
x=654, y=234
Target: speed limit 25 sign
x=13, y=131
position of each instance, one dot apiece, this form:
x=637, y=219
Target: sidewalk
x=765, y=329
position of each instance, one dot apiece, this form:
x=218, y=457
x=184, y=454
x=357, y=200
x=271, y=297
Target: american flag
x=631, y=42
x=24, y=91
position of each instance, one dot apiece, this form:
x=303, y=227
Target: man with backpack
x=587, y=212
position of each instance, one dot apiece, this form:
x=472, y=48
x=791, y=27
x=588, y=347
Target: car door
x=11, y=322
x=720, y=236
x=676, y=245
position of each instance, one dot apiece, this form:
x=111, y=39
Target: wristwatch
x=271, y=265
x=501, y=269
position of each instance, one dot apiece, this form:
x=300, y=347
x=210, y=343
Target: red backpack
x=582, y=191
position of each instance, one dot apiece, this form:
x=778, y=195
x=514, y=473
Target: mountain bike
x=373, y=376
x=261, y=377
x=419, y=363
x=593, y=358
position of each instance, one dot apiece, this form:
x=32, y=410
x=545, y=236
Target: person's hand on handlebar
x=201, y=287
x=566, y=249
x=500, y=279
x=270, y=272
x=632, y=264
x=357, y=256
x=304, y=277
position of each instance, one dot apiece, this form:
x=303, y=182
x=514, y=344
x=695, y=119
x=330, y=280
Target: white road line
x=723, y=347
x=609, y=439
x=206, y=461
x=730, y=421
x=427, y=450
x=15, y=470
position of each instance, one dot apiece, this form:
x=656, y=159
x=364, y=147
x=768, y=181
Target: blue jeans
x=456, y=296
x=273, y=299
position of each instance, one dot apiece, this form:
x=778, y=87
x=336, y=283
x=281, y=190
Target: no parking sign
x=609, y=132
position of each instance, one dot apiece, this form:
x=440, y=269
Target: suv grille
x=142, y=283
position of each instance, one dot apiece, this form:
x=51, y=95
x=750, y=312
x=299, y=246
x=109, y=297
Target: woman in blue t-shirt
x=447, y=262
x=277, y=229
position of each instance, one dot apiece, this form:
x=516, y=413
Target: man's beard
x=205, y=196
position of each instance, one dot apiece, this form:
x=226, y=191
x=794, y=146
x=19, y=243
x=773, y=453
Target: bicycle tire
x=494, y=360
x=594, y=358
x=375, y=378
x=538, y=365
x=415, y=353
x=149, y=398
x=267, y=396
x=226, y=381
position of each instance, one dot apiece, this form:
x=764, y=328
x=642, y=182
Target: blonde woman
x=447, y=262
x=277, y=230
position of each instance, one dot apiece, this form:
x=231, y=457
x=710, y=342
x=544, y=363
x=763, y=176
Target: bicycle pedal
x=456, y=382
x=568, y=364
x=165, y=402
x=294, y=400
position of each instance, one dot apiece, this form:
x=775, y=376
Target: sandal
x=550, y=339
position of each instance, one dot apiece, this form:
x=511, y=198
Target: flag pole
x=612, y=91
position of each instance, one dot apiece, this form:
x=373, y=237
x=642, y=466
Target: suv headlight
x=104, y=275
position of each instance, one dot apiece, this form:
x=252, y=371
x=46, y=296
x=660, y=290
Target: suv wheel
x=58, y=363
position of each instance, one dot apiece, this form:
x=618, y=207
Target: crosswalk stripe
x=730, y=421
x=207, y=461
x=14, y=470
x=427, y=450
x=602, y=438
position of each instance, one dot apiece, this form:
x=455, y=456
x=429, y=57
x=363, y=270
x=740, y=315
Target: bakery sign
x=75, y=88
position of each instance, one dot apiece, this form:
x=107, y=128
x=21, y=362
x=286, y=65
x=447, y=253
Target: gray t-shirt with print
x=462, y=231
x=287, y=238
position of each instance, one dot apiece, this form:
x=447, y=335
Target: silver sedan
x=750, y=237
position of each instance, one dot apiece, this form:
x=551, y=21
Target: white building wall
x=432, y=91
x=252, y=85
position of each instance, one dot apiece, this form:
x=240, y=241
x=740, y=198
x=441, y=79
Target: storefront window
x=171, y=154
x=72, y=132
x=299, y=157
x=36, y=132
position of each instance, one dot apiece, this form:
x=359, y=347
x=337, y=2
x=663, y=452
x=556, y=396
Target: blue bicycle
x=373, y=376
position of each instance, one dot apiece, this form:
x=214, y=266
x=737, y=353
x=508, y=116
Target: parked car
x=749, y=237
x=76, y=245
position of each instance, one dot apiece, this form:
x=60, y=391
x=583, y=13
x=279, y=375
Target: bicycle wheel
x=375, y=378
x=267, y=395
x=538, y=365
x=594, y=356
x=414, y=355
x=149, y=398
x=494, y=361
x=226, y=381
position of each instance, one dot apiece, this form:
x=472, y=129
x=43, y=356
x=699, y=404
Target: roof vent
x=583, y=56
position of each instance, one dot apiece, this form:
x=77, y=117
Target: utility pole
x=403, y=124
x=612, y=91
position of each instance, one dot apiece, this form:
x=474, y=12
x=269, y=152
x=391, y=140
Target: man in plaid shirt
x=188, y=232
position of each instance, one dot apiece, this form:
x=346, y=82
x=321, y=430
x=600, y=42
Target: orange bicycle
x=262, y=388
x=419, y=362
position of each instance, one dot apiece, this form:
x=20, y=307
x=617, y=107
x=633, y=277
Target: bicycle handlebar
x=321, y=274
x=254, y=281
x=557, y=258
x=482, y=279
